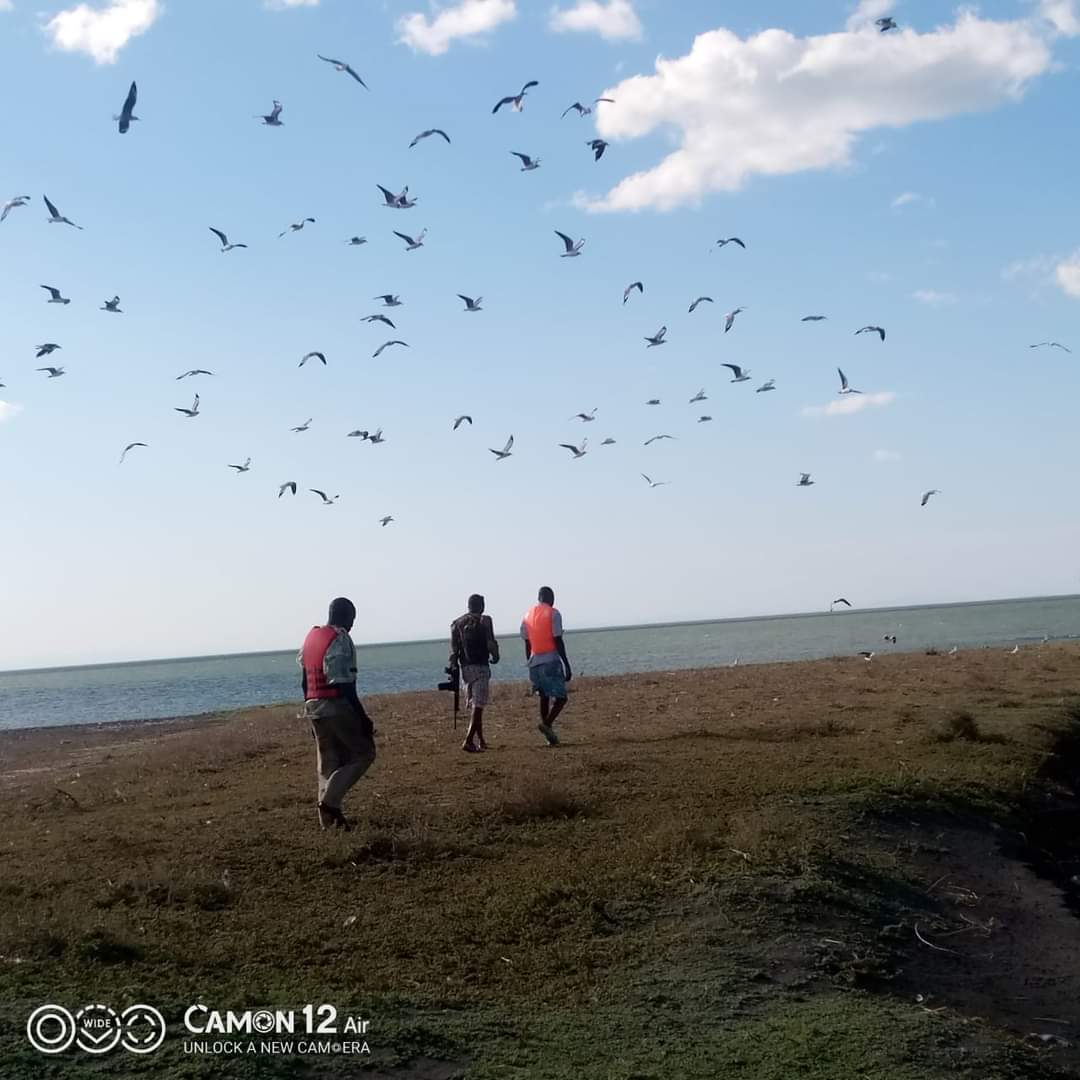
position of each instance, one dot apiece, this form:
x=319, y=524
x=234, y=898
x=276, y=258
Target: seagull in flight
x=112, y=305
x=246, y=467
x=729, y=318
x=608, y=441
x=657, y=338
x=379, y=318
x=130, y=446
x=630, y=288
x=193, y=411
x=577, y=451
x=704, y=419
x=656, y=438
x=805, y=481
x=389, y=300
x=322, y=495
x=358, y=434
x=312, y=356
x=887, y=23
x=274, y=118
x=458, y=421
x=289, y=485
x=427, y=134
x=340, y=65
x=654, y=483
x=304, y=426
x=1052, y=345
x=879, y=330
x=585, y=417
x=867, y=656
x=653, y=401
x=386, y=345
x=296, y=226
x=585, y=110
x=528, y=164
x=384, y=521
x=54, y=372
x=516, y=100
x=765, y=387
x=731, y=240
x=46, y=349
x=699, y=396
x=927, y=494
x=193, y=371
x=356, y=241
x=501, y=455
x=597, y=146
x=470, y=303
x=573, y=247
x=55, y=217
x=741, y=374
x=840, y=600
x=397, y=202
x=54, y=296
x=700, y=300
x=127, y=113
x=845, y=387
x=13, y=204
x=813, y=318
x=376, y=438
x=412, y=243
x=225, y=245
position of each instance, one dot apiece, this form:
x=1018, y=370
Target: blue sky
x=917, y=180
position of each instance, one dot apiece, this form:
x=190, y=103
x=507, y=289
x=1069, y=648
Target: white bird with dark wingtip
x=741, y=374
x=412, y=242
x=927, y=495
x=127, y=113
x=657, y=338
x=225, y=245
x=470, y=303
x=458, y=421
x=630, y=288
x=765, y=387
x=112, y=305
x=193, y=371
x=879, y=330
x=654, y=483
x=805, y=480
x=130, y=446
x=273, y=119
x=340, y=65
x=13, y=204
x=657, y=438
x=515, y=100
x=845, y=386
x=699, y=396
x=585, y=417
x=585, y=110
x=504, y=453
x=327, y=501
x=289, y=485
x=193, y=411
x=389, y=300
x=700, y=300
x=729, y=318
x=54, y=372
x=302, y=427
x=386, y=345
x=397, y=202
x=1050, y=345
x=296, y=226
x=427, y=135
x=379, y=318
x=528, y=164
x=55, y=217
x=54, y=296
x=577, y=451
x=573, y=247
x=312, y=356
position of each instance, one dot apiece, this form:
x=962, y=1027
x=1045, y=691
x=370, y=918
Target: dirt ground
x=824, y=869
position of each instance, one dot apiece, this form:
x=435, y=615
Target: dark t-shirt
x=472, y=639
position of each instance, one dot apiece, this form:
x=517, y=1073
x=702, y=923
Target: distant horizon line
x=583, y=630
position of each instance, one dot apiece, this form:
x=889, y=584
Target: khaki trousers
x=343, y=753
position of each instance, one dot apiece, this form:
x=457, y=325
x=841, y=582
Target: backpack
x=474, y=640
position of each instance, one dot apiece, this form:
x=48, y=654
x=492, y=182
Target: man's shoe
x=549, y=733
x=335, y=816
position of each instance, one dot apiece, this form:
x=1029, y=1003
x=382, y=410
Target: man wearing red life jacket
x=549, y=668
x=344, y=735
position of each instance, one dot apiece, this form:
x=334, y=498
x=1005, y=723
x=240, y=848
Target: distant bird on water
x=13, y=204
x=130, y=446
x=657, y=338
x=516, y=101
x=597, y=146
x=54, y=296
x=501, y=455
x=55, y=217
x=273, y=118
x=528, y=164
x=879, y=330
x=289, y=485
x=654, y=483
x=312, y=356
x=700, y=300
x=296, y=226
x=573, y=247
x=741, y=374
x=804, y=480
x=340, y=65
x=427, y=134
x=193, y=371
x=1051, y=345
x=470, y=303
x=886, y=23
x=225, y=245
x=630, y=288
x=927, y=495
x=127, y=113
x=458, y=421
x=46, y=349
x=246, y=467
x=193, y=411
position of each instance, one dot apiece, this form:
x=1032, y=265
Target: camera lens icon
x=50, y=1029
x=143, y=1029
x=264, y=1022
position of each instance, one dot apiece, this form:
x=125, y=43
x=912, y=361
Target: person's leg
x=544, y=706
x=478, y=726
x=358, y=754
x=557, y=707
x=327, y=760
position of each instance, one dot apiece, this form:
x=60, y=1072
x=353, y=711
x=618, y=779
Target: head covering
x=342, y=613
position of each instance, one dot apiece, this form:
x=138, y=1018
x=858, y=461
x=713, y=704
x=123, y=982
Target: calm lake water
x=185, y=687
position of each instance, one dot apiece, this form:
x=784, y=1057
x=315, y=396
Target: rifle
x=453, y=685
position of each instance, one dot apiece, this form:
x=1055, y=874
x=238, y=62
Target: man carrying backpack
x=472, y=649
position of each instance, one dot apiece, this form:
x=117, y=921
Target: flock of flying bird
x=572, y=248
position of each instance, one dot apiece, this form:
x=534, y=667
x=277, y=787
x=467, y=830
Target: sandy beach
x=827, y=869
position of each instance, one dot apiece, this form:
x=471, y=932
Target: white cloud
x=1067, y=275
x=281, y=5
x=911, y=198
x=468, y=19
x=773, y=103
x=614, y=19
x=887, y=456
x=6, y=5
x=851, y=403
x=1061, y=14
x=933, y=298
x=8, y=410
x=102, y=32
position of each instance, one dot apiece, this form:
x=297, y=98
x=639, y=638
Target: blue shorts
x=549, y=680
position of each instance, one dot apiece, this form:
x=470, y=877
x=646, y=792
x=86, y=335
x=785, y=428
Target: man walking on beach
x=344, y=735
x=472, y=645
x=549, y=668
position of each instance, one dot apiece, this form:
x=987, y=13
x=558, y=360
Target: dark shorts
x=549, y=680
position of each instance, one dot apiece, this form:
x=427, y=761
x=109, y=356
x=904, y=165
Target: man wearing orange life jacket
x=344, y=735
x=549, y=668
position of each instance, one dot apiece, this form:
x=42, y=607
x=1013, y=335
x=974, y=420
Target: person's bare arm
x=493, y=643
x=559, y=644
x=455, y=644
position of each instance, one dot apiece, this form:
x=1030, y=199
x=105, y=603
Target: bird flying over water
x=55, y=217
x=654, y=483
x=573, y=247
x=130, y=446
x=412, y=243
x=700, y=300
x=585, y=110
x=13, y=204
x=927, y=494
x=296, y=226
x=501, y=455
x=630, y=288
x=887, y=23
x=312, y=356
x=845, y=388
x=657, y=438
x=765, y=387
x=112, y=305
x=379, y=318
x=54, y=296
x=597, y=146
x=879, y=330
x=225, y=245
x=657, y=338
x=427, y=134
x=54, y=372
x=1051, y=345
x=729, y=318
x=273, y=119
x=731, y=240
x=528, y=164
x=386, y=345
x=458, y=421
x=805, y=481
x=741, y=374
x=46, y=349
x=322, y=495
x=127, y=113
x=302, y=427
x=577, y=451
x=840, y=600
x=193, y=411
x=289, y=485
x=340, y=65
x=516, y=100
x=193, y=371
x=470, y=303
